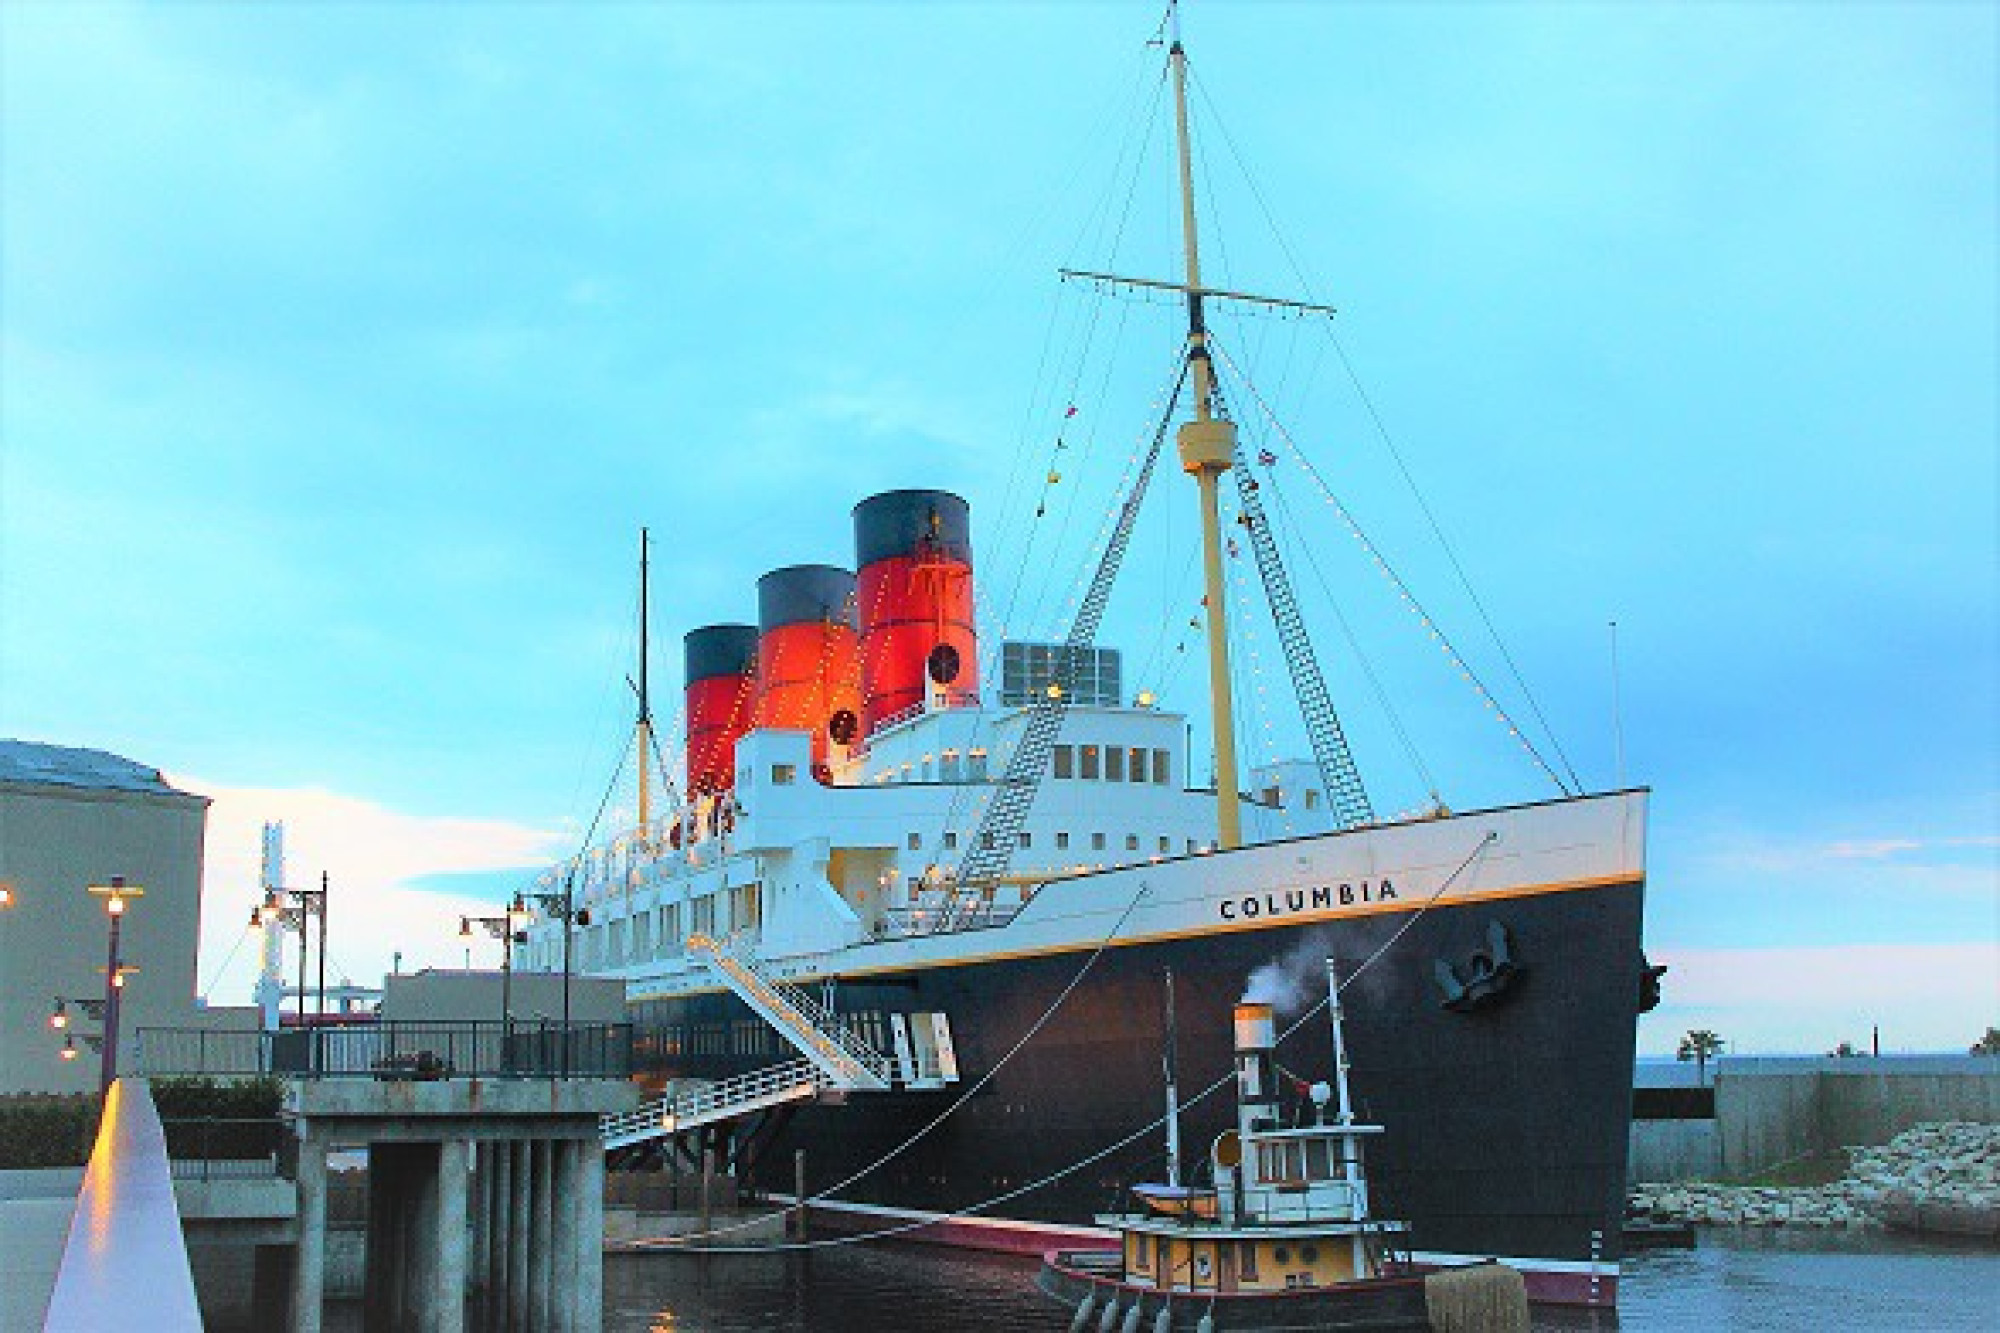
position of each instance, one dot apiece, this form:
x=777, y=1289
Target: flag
x=1072, y=412
x=1266, y=457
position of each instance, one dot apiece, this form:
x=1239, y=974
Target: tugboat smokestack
x=1256, y=1070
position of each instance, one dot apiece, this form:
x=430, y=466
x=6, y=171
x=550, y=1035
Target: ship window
x=1097, y=842
x=1136, y=768
x=1089, y=763
x=1312, y=799
x=1248, y=1261
x=976, y=766
x=1027, y=839
x=1064, y=761
x=1114, y=763
x=1062, y=842
x=986, y=841
x=915, y=842
x=1131, y=842
x=1142, y=1251
x=1162, y=768
x=784, y=775
x=950, y=841
x=1319, y=1160
x=1166, y=843
x=1274, y=796
x=1190, y=846
x=950, y=770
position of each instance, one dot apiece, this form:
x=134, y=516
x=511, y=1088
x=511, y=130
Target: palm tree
x=1698, y=1045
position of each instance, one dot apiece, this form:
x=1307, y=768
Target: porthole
x=1308, y=1254
x=842, y=726
x=1281, y=1255
x=943, y=664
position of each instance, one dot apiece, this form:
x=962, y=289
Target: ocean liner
x=916, y=919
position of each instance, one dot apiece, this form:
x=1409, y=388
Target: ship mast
x=1207, y=449
x=645, y=724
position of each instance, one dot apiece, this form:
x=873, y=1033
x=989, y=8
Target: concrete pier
x=485, y=1205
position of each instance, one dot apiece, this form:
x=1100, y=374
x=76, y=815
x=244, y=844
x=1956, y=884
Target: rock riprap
x=1932, y=1177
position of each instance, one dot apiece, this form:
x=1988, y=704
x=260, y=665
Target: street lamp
x=117, y=896
x=503, y=928
x=561, y=907
x=293, y=909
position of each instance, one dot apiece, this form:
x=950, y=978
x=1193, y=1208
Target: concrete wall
x=1665, y=1150
x=440, y=995
x=1769, y=1111
x=55, y=841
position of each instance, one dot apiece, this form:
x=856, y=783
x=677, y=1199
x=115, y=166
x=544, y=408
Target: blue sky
x=344, y=349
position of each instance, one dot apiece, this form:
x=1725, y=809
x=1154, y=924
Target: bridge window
x=1062, y=842
x=1063, y=761
x=1162, y=768
x=1312, y=799
x=1165, y=844
x=1089, y=763
x=1131, y=842
x=1138, y=768
x=951, y=841
x=915, y=841
x=1097, y=842
x=1027, y=839
x=976, y=766
x=1114, y=763
x=784, y=775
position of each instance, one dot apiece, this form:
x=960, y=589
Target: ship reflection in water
x=1771, y=1282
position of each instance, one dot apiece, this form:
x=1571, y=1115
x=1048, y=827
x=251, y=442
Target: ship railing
x=394, y=1051
x=820, y=1034
x=905, y=922
x=721, y=1100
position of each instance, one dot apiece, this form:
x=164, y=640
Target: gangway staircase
x=835, y=1059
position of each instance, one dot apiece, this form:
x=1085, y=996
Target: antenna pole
x=1173, y=1094
x=645, y=693
x=1617, y=707
x=1207, y=450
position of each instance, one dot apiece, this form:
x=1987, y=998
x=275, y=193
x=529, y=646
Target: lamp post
x=561, y=907
x=503, y=928
x=117, y=895
x=293, y=909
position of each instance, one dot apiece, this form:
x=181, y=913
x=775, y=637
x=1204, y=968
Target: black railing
x=405, y=1051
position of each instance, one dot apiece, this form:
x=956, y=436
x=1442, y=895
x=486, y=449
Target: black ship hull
x=1507, y=1115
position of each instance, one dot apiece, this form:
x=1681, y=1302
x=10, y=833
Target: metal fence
x=413, y=1051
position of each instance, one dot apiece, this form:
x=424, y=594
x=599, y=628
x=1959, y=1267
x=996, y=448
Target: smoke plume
x=1294, y=980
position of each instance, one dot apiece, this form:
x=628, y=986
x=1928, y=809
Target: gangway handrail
x=722, y=1100
x=849, y=1057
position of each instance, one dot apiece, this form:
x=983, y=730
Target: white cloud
x=374, y=858
x=1925, y=997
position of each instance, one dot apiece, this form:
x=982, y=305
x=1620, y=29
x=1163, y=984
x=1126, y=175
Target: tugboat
x=1283, y=1239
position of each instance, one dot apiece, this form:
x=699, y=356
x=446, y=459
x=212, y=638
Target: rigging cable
x=1304, y=546
x=1034, y=1028
x=1029, y=1187
x=1374, y=553
x=1409, y=479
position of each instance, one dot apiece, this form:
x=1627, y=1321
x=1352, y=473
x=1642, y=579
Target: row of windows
x=1025, y=840
x=1111, y=763
x=632, y=939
